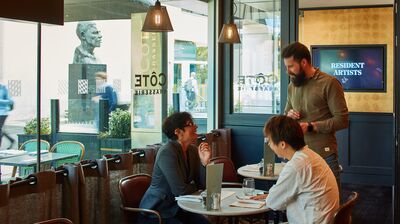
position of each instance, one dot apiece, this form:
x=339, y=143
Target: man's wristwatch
x=310, y=127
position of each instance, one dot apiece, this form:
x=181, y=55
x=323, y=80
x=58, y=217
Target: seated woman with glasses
x=179, y=169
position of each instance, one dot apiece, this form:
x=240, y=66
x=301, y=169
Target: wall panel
x=354, y=26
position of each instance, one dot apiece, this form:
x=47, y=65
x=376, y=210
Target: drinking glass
x=248, y=186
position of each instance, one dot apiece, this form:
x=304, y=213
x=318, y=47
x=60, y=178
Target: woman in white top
x=306, y=187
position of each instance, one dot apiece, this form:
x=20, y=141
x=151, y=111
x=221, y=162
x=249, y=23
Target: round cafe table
x=253, y=171
x=226, y=209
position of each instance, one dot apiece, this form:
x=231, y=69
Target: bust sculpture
x=90, y=38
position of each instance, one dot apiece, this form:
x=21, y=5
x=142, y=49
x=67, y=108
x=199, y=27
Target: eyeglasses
x=189, y=124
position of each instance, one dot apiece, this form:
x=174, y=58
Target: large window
x=96, y=41
x=188, y=60
x=256, y=70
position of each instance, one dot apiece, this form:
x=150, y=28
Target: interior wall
x=354, y=26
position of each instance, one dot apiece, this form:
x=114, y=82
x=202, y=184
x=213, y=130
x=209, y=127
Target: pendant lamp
x=229, y=33
x=157, y=19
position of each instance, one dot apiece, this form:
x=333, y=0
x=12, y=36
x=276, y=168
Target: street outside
x=12, y=128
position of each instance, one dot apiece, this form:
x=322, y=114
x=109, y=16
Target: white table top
x=253, y=171
x=226, y=210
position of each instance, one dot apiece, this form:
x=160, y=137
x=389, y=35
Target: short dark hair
x=174, y=121
x=282, y=128
x=298, y=51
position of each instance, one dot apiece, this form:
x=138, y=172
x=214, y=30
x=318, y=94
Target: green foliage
x=119, y=124
x=30, y=126
x=103, y=135
x=201, y=53
x=171, y=110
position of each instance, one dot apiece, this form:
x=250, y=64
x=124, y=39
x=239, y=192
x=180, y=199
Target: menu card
x=213, y=181
x=248, y=204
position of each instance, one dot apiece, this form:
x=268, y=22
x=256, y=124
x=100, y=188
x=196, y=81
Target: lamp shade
x=157, y=19
x=229, y=34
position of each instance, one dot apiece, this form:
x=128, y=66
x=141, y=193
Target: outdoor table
x=29, y=159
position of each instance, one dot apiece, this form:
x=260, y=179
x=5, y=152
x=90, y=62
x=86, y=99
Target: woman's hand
x=204, y=153
x=259, y=197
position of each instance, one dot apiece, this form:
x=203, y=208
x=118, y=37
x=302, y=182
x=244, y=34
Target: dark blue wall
x=366, y=148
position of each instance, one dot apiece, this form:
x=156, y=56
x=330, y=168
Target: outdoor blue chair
x=69, y=147
x=30, y=146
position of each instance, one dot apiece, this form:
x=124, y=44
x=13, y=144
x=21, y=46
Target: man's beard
x=299, y=79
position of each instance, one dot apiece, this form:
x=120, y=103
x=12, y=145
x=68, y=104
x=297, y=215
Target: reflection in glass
x=256, y=85
x=143, y=111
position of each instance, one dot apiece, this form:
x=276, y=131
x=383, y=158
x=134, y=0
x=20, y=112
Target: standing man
x=6, y=104
x=316, y=100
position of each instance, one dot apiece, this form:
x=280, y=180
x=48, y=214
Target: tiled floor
x=374, y=204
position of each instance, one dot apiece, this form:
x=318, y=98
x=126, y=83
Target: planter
x=25, y=137
x=114, y=145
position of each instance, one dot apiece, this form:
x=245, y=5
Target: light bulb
x=229, y=32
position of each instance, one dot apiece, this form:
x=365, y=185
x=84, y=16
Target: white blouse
x=306, y=188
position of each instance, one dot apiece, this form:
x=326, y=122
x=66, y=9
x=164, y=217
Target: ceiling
x=76, y=10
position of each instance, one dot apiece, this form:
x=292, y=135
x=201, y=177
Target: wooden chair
x=69, y=147
x=230, y=177
x=30, y=146
x=56, y=221
x=132, y=189
x=343, y=215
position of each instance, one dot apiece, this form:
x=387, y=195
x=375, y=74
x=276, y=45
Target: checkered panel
x=62, y=87
x=117, y=85
x=83, y=86
x=14, y=87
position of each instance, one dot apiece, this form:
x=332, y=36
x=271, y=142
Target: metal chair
x=132, y=189
x=69, y=147
x=56, y=221
x=230, y=177
x=343, y=215
x=30, y=146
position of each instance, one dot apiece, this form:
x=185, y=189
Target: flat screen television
x=360, y=68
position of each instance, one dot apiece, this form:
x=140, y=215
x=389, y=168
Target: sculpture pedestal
x=81, y=90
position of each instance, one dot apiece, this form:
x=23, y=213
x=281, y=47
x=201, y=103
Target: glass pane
x=256, y=67
x=18, y=75
x=79, y=78
x=187, y=58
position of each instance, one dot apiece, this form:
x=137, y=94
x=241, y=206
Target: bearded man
x=316, y=100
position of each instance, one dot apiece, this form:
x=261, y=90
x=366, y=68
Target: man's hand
x=259, y=197
x=204, y=153
x=293, y=114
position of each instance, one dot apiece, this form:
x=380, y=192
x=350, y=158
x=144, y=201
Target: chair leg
x=14, y=171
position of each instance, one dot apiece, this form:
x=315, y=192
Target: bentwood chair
x=343, y=215
x=132, y=189
x=229, y=176
x=30, y=146
x=56, y=221
x=69, y=147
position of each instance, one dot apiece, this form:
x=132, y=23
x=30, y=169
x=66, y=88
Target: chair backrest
x=132, y=189
x=69, y=147
x=230, y=174
x=56, y=221
x=343, y=215
x=31, y=145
